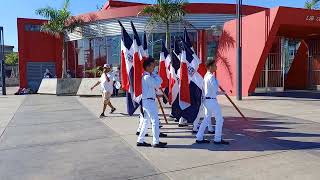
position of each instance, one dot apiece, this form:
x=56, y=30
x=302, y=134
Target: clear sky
x=11, y=9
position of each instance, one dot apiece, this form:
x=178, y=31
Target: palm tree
x=312, y=4
x=166, y=12
x=59, y=22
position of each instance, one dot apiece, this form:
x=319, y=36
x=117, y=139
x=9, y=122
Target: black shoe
x=160, y=145
x=182, y=125
x=222, y=142
x=194, y=132
x=203, y=141
x=113, y=110
x=211, y=132
x=102, y=115
x=163, y=135
x=176, y=120
x=144, y=144
x=138, y=133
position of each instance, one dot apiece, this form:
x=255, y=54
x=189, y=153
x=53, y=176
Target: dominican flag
x=174, y=81
x=127, y=69
x=202, y=68
x=137, y=65
x=164, y=66
x=191, y=83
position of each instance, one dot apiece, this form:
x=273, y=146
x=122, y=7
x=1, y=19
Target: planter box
x=71, y=87
x=54, y=86
x=86, y=84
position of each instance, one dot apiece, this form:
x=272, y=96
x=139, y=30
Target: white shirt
x=211, y=86
x=149, y=85
x=106, y=86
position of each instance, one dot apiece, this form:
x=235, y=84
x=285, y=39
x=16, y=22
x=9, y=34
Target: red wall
x=254, y=43
x=297, y=77
x=36, y=47
x=260, y=31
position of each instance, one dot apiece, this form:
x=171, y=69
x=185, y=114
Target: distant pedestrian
x=47, y=74
x=117, y=85
x=106, y=81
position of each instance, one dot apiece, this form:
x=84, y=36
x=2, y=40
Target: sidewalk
x=307, y=109
x=57, y=138
x=269, y=146
x=52, y=137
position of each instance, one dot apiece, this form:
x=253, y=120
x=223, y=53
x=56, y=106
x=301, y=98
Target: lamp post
x=3, y=74
x=239, y=51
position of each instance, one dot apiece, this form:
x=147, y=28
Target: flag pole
x=164, y=115
x=234, y=105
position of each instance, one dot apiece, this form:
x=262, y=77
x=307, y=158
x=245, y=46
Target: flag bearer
x=210, y=88
x=150, y=82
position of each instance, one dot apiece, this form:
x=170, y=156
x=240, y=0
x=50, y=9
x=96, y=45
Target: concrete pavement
x=298, y=107
x=268, y=146
x=53, y=137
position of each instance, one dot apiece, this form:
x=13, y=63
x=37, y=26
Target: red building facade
x=280, y=47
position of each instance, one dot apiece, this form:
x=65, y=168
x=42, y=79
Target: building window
x=32, y=27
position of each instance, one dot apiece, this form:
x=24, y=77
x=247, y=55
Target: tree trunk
x=63, y=73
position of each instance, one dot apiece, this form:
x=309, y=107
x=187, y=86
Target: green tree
x=312, y=4
x=166, y=12
x=95, y=71
x=12, y=59
x=59, y=22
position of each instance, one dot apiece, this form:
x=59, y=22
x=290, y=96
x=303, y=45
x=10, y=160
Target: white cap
x=106, y=66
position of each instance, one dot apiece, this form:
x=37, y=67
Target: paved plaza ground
x=49, y=138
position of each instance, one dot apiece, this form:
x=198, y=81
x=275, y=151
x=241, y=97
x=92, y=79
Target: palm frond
x=312, y=4
x=48, y=13
x=72, y=23
x=66, y=4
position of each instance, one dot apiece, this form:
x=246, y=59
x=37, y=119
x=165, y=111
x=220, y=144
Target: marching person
x=150, y=82
x=211, y=87
x=196, y=123
x=106, y=81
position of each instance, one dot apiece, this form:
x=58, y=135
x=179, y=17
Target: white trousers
x=211, y=105
x=150, y=110
x=196, y=123
x=140, y=122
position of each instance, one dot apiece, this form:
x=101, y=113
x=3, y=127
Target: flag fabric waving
x=174, y=81
x=191, y=83
x=164, y=64
x=127, y=70
x=164, y=70
x=137, y=65
x=202, y=68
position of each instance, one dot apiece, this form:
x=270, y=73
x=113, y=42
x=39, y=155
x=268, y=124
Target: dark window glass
x=32, y=27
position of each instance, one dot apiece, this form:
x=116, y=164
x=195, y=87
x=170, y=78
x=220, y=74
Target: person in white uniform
x=210, y=89
x=106, y=81
x=196, y=123
x=150, y=82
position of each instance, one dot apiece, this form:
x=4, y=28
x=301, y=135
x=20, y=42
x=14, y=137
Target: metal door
x=272, y=75
x=314, y=64
x=35, y=72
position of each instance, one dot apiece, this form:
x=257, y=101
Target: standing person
x=211, y=86
x=47, y=74
x=106, y=81
x=117, y=84
x=150, y=82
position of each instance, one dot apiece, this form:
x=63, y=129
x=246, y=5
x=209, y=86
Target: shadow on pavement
x=268, y=135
